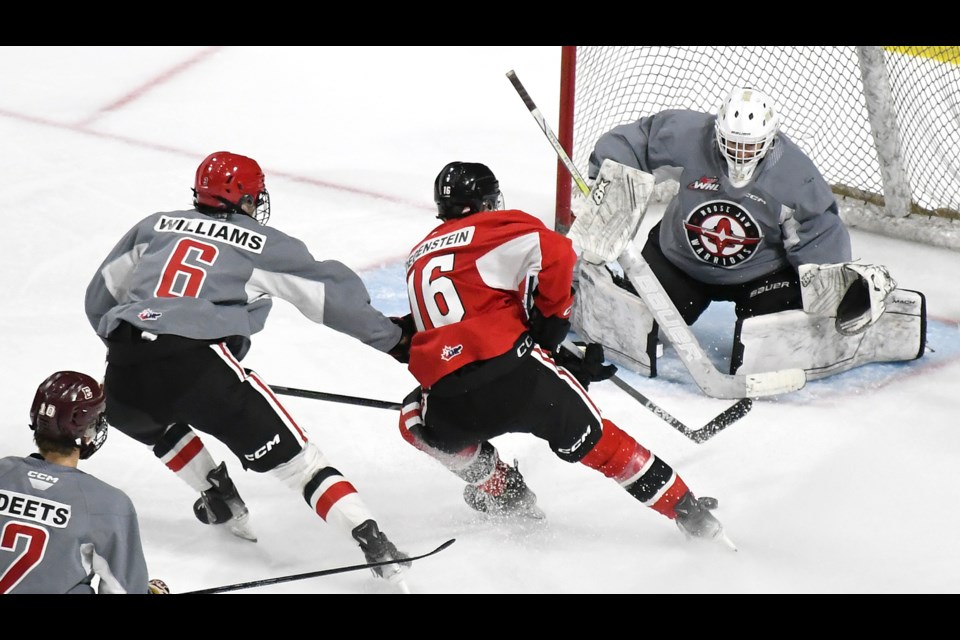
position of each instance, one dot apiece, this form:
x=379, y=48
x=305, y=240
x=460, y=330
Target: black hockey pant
x=150, y=385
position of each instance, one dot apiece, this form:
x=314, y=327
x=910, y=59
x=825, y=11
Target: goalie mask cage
x=881, y=123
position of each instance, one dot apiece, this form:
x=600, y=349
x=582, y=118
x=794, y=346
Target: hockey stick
x=704, y=433
x=710, y=380
x=334, y=397
x=730, y=415
x=315, y=574
x=535, y=112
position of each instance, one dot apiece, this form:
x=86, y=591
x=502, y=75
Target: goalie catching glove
x=855, y=293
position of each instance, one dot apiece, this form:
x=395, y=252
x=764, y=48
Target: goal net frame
x=881, y=123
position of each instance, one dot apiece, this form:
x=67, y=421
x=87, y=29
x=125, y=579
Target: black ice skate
x=377, y=547
x=695, y=520
x=505, y=494
x=222, y=504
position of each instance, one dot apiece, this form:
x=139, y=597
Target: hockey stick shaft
x=706, y=375
x=335, y=397
x=316, y=574
x=730, y=415
x=535, y=112
x=712, y=428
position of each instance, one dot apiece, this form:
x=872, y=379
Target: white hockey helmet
x=746, y=127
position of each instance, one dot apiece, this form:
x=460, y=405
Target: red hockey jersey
x=467, y=282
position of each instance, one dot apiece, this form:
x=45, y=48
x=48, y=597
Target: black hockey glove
x=548, y=331
x=588, y=369
x=401, y=351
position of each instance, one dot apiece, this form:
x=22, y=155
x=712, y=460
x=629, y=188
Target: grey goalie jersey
x=718, y=233
x=210, y=277
x=60, y=526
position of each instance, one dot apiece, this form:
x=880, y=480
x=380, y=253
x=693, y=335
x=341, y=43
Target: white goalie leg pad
x=608, y=219
x=812, y=342
x=609, y=315
x=830, y=290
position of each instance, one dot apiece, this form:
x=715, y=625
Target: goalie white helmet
x=746, y=128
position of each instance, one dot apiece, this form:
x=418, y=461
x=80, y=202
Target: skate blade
x=242, y=529
x=533, y=513
x=530, y=513
x=398, y=581
x=725, y=539
x=395, y=577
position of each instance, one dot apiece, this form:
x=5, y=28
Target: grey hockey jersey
x=718, y=233
x=208, y=277
x=59, y=527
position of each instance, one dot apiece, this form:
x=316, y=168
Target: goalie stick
x=710, y=380
x=316, y=574
x=701, y=435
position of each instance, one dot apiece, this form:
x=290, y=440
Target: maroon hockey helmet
x=229, y=182
x=69, y=407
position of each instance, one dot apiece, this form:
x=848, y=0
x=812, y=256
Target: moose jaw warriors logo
x=722, y=233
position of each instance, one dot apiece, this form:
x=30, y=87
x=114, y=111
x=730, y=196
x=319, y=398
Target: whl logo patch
x=449, y=353
x=705, y=183
x=722, y=233
x=149, y=314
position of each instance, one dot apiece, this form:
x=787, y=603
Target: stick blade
x=773, y=383
x=733, y=413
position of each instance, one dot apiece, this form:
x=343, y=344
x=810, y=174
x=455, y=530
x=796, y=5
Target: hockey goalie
x=774, y=246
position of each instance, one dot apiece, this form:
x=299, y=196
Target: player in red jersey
x=487, y=367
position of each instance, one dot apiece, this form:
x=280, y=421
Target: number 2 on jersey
x=36, y=543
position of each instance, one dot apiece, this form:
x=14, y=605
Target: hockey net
x=881, y=123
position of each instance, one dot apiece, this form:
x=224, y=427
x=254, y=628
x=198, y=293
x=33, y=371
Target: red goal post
x=881, y=123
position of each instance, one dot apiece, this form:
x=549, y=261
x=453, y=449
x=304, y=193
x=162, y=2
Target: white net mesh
x=819, y=94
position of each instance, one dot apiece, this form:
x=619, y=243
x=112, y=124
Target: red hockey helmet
x=231, y=183
x=69, y=408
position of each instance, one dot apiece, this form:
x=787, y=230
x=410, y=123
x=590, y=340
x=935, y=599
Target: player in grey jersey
x=753, y=223
x=176, y=301
x=60, y=527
